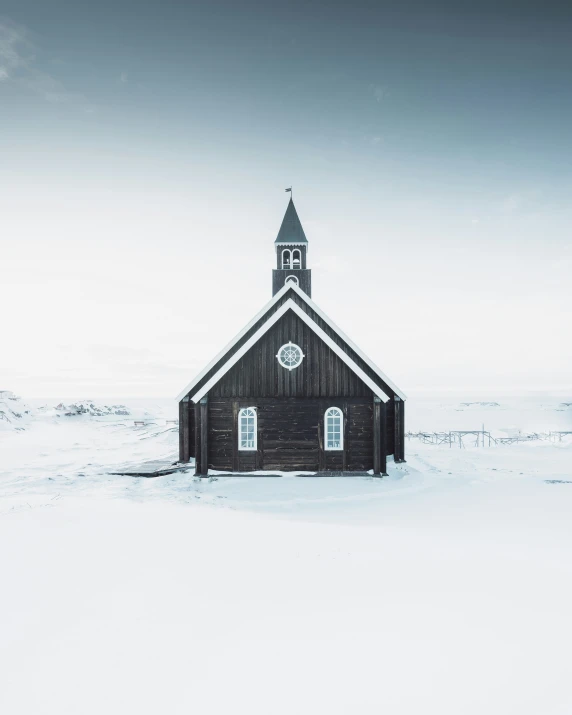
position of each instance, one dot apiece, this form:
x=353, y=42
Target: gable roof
x=265, y=327
x=197, y=385
x=291, y=230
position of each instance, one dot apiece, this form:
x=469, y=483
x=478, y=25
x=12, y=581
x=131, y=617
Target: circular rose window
x=290, y=356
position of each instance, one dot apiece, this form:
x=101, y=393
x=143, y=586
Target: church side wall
x=290, y=435
x=186, y=430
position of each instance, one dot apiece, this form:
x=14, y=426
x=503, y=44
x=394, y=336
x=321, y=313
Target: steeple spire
x=291, y=230
x=291, y=251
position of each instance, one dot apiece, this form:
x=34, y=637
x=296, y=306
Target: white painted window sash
x=247, y=429
x=333, y=425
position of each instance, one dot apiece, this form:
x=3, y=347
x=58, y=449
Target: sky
x=144, y=151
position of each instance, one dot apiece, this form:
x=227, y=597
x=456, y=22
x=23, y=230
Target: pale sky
x=145, y=147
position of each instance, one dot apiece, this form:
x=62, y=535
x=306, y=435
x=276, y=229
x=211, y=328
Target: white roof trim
x=289, y=305
x=352, y=345
x=283, y=244
x=291, y=286
x=236, y=338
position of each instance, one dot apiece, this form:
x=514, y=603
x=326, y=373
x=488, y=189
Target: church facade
x=291, y=392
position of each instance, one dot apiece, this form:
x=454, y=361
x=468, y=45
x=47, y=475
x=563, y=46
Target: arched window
x=333, y=428
x=296, y=258
x=247, y=429
x=286, y=259
x=291, y=279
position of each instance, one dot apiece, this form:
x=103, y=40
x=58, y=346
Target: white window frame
x=284, y=266
x=243, y=413
x=289, y=367
x=292, y=279
x=340, y=415
x=299, y=252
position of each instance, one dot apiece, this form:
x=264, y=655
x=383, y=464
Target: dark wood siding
x=290, y=435
x=186, y=430
x=183, y=433
x=221, y=434
x=304, y=280
x=399, y=430
x=321, y=323
x=291, y=405
x=342, y=344
x=360, y=441
x=389, y=427
x=322, y=373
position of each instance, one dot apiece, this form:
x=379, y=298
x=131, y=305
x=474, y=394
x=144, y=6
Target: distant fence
x=482, y=438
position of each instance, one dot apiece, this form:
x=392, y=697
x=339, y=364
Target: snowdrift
x=14, y=414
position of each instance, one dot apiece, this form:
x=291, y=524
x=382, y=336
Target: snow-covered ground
x=443, y=588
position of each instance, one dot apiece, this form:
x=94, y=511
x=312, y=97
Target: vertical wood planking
x=321, y=436
x=353, y=381
x=291, y=406
x=291, y=434
x=346, y=429
x=204, y=437
x=183, y=432
x=401, y=409
x=259, y=438
x=197, y=440
x=399, y=431
x=376, y=435
x=235, y=456
x=321, y=373
x=191, y=427
x=383, y=438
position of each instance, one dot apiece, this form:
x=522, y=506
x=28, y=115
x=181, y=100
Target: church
x=291, y=392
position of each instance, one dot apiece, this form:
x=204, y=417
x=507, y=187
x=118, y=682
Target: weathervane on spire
x=290, y=190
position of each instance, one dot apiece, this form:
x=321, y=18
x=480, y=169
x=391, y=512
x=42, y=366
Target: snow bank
x=14, y=414
x=18, y=415
x=91, y=409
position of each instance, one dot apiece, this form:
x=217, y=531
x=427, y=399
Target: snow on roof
x=292, y=286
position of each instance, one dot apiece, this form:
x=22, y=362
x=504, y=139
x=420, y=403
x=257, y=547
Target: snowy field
x=443, y=588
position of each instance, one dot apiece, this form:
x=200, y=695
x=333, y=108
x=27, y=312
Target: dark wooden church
x=291, y=392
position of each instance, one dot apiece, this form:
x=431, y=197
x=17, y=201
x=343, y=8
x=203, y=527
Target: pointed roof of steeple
x=291, y=230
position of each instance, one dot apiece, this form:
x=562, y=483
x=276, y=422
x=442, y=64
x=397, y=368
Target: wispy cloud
x=12, y=45
x=379, y=92
x=19, y=65
x=123, y=78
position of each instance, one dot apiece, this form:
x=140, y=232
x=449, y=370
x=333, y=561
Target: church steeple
x=291, y=253
x=291, y=230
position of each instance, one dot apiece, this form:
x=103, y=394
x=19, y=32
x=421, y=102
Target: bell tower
x=291, y=254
